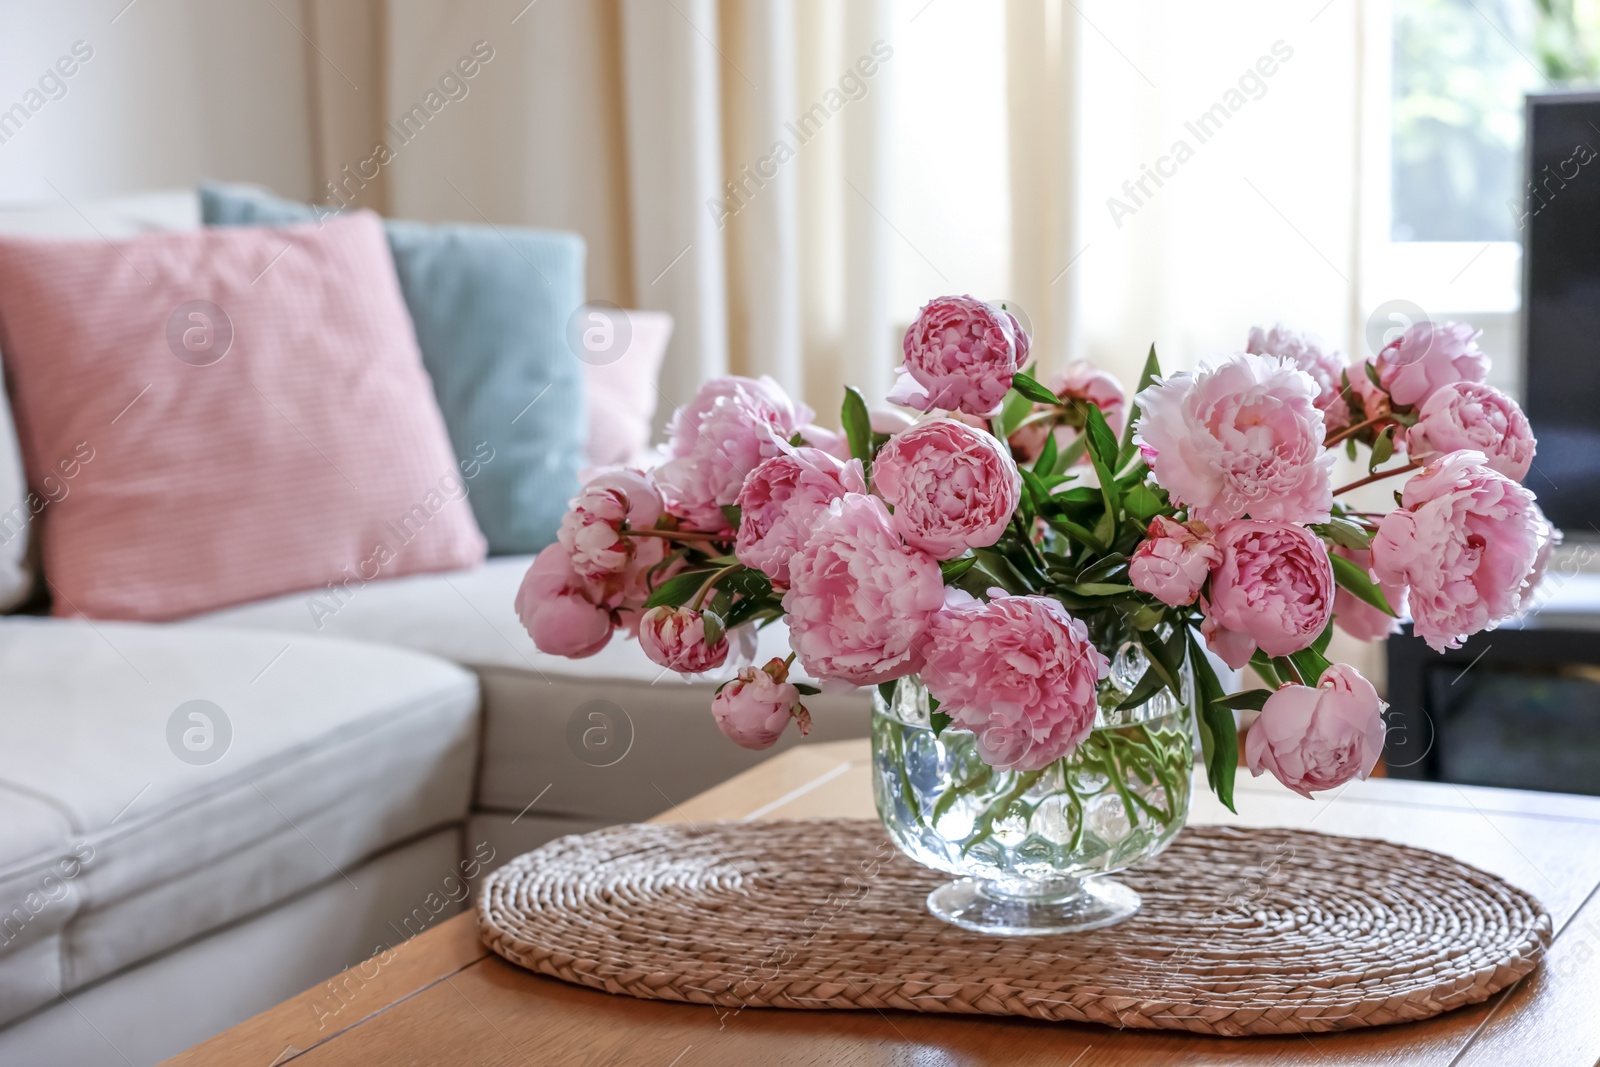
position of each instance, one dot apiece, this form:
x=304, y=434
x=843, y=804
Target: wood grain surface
x=442, y=999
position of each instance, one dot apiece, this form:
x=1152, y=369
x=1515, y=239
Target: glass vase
x=1032, y=849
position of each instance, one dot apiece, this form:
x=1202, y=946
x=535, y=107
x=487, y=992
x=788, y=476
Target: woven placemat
x=1241, y=932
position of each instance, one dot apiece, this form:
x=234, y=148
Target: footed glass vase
x=1032, y=849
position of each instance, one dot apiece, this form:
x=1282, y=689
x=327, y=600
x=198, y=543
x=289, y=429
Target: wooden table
x=443, y=999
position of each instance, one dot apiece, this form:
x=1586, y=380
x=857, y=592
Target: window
x=1461, y=68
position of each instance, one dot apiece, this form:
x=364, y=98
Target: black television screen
x=1561, y=306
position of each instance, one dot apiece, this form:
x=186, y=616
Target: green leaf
x=1343, y=532
x=1372, y=373
x=1147, y=377
x=1147, y=687
x=677, y=590
x=1038, y=495
x=1382, y=449
x=1143, y=503
x=1324, y=639
x=1100, y=589
x=939, y=720
x=732, y=513
x=1357, y=581
x=1077, y=532
x=1046, y=462
x=1310, y=663
x=886, y=691
x=1350, y=447
x=746, y=581
x=1071, y=454
x=751, y=609
x=951, y=569
x=1031, y=389
x=1263, y=666
x=714, y=627
x=806, y=690
x=1016, y=408
x=1219, y=738
x=1102, y=442
x=857, y=424
x=1248, y=700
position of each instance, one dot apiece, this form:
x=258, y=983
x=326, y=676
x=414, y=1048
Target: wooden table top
x=444, y=999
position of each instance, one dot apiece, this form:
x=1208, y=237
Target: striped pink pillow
x=222, y=415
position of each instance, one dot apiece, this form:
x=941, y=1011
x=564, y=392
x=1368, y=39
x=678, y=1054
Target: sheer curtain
x=790, y=178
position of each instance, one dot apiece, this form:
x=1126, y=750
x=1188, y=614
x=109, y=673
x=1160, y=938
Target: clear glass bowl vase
x=1031, y=849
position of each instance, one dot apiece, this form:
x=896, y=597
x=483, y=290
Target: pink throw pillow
x=622, y=394
x=234, y=414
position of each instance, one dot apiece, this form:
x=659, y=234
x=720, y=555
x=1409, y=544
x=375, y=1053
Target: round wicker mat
x=1241, y=932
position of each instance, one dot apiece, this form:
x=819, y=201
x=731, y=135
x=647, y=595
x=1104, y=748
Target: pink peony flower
x=717, y=439
x=780, y=502
x=556, y=610
x=1243, y=437
x=833, y=442
x=1081, y=381
x=1471, y=415
x=755, y=708
x=1318, y=738
x=960, y=355
x=1019, y=672
x=1427, y=357
x=1465, y=541
x=1306, y=351
x=1173, y=561
x=859, y=600
x=952, y=487
x=1273, y=590
x=1358, y=618
x=675, y=638
x=591, y=531
x=1541, y=560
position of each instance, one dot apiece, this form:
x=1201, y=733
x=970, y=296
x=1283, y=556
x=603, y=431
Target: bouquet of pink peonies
x=1002, y=543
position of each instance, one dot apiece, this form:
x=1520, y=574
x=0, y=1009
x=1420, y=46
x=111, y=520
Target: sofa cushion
x=174, y=780
x=491, y=306
x=611, y=737
x=236, y=414
x=119, y=217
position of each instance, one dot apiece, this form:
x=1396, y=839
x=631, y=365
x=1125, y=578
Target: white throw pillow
x=120, y=217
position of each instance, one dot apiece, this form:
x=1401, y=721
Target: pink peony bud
x=1465, y=541
x=1273, y=590
x=1017, y=671
x=591, y=531
x=960, y=355
x=780, y=502
x=1427, y=357
x=1312, y=739
x=1173, y=561
x=952, y=487
x=556, y=610
x=755, y=708
x=675, y=638
x=1243, y=437
x=1471, y=415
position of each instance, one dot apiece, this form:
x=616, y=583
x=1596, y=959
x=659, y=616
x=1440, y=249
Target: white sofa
x=370, y=767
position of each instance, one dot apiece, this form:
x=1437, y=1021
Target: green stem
x=1020, y=785
x=700, y=597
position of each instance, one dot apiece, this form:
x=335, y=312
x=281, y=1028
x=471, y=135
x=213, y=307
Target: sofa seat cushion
x=608, y=738
x=157, y=783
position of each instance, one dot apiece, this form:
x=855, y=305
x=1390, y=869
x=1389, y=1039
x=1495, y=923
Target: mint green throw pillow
x=490, y=305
